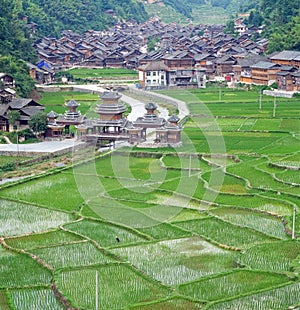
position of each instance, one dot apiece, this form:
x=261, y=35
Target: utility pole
x=274, y=107
x=97, y=306
x=294, y=219
x=18, y=145
x=260, y=95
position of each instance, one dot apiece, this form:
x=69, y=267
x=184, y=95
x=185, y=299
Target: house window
x=148, y=73
x=148, y=81
x=162, y=77
x=154, y=73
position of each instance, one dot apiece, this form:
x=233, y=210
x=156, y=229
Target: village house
x=26, y=108
x=289, y=58
x=289, y=80
x=7, y=80
x=7, y=95
x=42, y=73
x=153, y=75
x=264, y=73
x=224, y=65
x=239, y=25
x=242, y=69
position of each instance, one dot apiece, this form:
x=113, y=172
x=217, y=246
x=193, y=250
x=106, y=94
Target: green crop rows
x=209, y=225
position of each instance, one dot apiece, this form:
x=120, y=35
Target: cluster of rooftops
x=180, y=51
x=126, y=43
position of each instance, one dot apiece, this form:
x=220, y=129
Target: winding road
x=138, y=110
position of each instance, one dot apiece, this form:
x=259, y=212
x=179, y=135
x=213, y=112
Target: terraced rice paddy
x=183, y=228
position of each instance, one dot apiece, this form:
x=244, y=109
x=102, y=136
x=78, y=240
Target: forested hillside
x=54, y=16
x=185, y=7
x=24, y=21
x=282, y=23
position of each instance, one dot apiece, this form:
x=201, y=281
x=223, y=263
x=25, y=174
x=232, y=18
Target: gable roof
x=286, y=55
x=265, y=65
x=20, y=103
x=154, y=66
x=3, y=109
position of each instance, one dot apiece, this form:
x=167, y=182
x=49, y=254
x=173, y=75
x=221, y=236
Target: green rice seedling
x=289, y=176
x=136, y=168
x=278, y=298
x=4, y=305
x=41, y=240
x=287, y=145
x=99, y=203
x=118, y=287
x=229, y=124
x=105, y=234
x=19, y=218
x=224, y=232
x=231, y=284
x=121, y=214
x=248, y=124
x=164, y=231
x=110, y=73
x=230, y=184
x=35, y=299
x=179, y=260
x=171, y=303
x=51, y=191
x=187, y=214
x=259, y=178
x=275, y=256
x=294, y=158
x=79, y=254
x=266, y=224
x=222, y=161
x=267, y=124
x=259, y=202
x=185, y=162
x=290, y=125
x=20, y=270
x=59, y=98
x=188, y=186
x=252, y=142
x=295, y=265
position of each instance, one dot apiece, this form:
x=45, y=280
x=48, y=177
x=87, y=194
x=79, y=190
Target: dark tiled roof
x=286, y=55
x=264, y=65
x=110, y=95
x=52, y=114
x=32, y=110
x=3, y=109
x=154, y=66
x=19, y=103
x=72, y=103
x=150, y=106
x=173, y=119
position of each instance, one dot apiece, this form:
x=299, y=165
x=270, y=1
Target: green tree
x=38, y=123
x=151, y=44
x=229, y=27
x=13, y=116
x=19, y=70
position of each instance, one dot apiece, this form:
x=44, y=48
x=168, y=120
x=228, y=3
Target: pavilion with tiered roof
x=112, y=125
